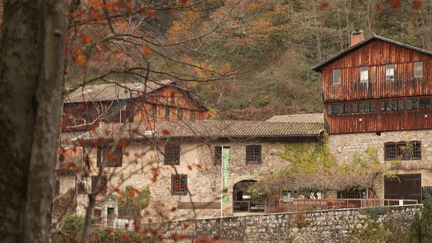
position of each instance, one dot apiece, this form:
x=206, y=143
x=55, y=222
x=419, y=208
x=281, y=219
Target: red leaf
x=173, y=209
x=183, y=2
x=165, y=132
x=378, y=6
x=324, y=5
x=108, y=231
x=124, y=237
x=151, y=13
x=122, y=143
x=417, y=4
x=131, y=194
x=63, y=126
x=118, y=4
x=394, y=3
x=189, y=167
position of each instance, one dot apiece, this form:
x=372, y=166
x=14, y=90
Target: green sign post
x=225, y=174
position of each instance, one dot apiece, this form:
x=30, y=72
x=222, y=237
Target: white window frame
x=364, y=74
x=390, y=72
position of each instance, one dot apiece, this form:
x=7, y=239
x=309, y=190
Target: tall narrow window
x=336, y=76
x=192, y=115
x=390, y=72
x=179, y=114
x=364, y=75
x=167, y=113
x=153, y=112
x=418, y=69
x=218, y=155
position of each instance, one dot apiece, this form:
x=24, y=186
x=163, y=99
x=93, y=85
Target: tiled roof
x=214, y=128
x=306, y=118
x=319, y=67
x=106, y=92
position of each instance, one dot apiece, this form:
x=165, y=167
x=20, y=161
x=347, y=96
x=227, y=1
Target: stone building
x=377, y=93
x=181, y=164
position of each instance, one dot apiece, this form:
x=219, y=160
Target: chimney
x=356, y=37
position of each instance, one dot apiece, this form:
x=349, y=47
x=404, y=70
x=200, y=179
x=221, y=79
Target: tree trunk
x=32, y=51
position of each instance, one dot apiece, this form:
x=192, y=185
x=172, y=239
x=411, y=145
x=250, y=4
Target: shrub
x=421, y=227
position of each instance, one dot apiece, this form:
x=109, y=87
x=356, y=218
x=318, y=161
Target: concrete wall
x=320, y=226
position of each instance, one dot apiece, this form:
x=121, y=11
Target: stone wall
x=316, y=226
x=344, y=146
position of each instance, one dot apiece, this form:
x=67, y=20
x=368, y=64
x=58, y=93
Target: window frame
x=253, y=154
x=336, y=77
x=167, y=113
x=418, y=73
x=80, y=186
x=183, y=187
x=101, y=150
x=217, y=155
x=345, y=109
x=172, y=153
x=364, y=70
x=364, y=107
x=153, y=112
x=389, y=77
x=418, y=104
x=391, y=105
x=396, y=147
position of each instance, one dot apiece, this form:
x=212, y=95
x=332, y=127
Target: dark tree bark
x=31, y=48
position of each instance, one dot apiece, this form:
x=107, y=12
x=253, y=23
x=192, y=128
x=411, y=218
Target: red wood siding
x=378, y=120
x=375, y=55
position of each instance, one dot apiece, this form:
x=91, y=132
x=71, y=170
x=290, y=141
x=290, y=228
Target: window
x=113, y=159
x=391, y=105
x=192, y=115
x=57, y=188
x=394, y=150
x=81, y=188
x=97, y=215
x=338, y=109
x=253, y=154
x=418, y=104
x=364, y=107
x=352, y=193
x=178, y=184
x=364, y=75
x=153, y=112
x=418, y=69
x=218, y=155
x=104, y=181
x=390, y=72
x=172, y=154
x=336, y=76
x=179, y=114
x=167, y=113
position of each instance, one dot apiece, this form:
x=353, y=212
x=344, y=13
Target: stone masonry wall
x=343, y=146
x=319, y=226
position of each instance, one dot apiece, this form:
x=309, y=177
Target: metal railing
x=322, y=204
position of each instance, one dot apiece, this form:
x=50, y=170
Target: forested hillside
x=252, y=59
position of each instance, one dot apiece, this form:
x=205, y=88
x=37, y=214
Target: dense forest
x=252, y=59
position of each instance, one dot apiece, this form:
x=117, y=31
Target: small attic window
x=336, y=76
x=418, y=69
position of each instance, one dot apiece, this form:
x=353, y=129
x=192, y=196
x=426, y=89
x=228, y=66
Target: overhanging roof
x=319, y=67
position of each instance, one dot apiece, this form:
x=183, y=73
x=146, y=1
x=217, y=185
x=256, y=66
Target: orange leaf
x=68, y=40
x=96, y=3
x=176, y=186
x=173, y=209
x=183, y=2
x=324, y=5
x=108, y=231
x=378, y=6
x=109, y=157
x=80, y=59
x=94, y=13
x=147, y=51
x=124, y=237
x=122, y=143
x=131, y=194
x=63, y=126
x=189, y=167
x=151, y=13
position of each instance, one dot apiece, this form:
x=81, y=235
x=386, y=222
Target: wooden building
x=150, y=103
x=377, y=85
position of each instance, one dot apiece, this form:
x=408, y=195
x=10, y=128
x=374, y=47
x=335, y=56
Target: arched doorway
x=243, y=201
